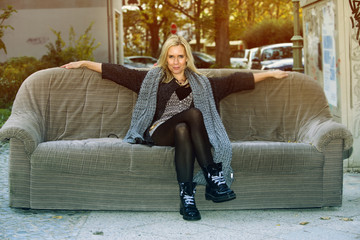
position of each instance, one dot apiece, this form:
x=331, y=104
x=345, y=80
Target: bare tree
x=191, y=9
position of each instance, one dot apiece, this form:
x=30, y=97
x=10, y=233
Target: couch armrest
x=321, y=133
x=26, y=127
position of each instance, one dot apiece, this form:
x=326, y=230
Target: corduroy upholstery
x=287, y=149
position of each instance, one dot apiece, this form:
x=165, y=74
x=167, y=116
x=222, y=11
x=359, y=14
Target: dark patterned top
x=221, y=86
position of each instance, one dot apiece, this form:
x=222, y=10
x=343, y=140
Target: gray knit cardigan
x=203, y=100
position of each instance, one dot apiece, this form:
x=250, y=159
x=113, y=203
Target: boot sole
x=189, y=218
x=220, y=199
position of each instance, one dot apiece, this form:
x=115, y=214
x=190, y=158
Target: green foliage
x=197, y=18
x=268, y=32
x=12, y=74
x=77, y=49
x=16, y=70
x=4, y=115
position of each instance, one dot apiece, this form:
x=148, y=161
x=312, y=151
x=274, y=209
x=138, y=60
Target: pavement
x=274, y=224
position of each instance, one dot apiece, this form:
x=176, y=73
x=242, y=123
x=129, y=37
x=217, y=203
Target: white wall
x=33, y=30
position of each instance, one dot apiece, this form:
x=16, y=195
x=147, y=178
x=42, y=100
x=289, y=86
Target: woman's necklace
x=182, y=83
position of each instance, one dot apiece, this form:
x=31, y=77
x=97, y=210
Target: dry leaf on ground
x=304, y=223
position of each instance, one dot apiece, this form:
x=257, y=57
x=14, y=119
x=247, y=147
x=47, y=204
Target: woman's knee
x=181, y=129
x=195, y=114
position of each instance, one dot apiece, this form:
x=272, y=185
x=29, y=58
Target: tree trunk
x=154, y=41
x=250, y=12
x=197, y=36
x=198, y=25
x=222, y=33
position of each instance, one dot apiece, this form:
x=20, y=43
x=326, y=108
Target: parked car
x=239, y=58
x=285, y=64
x=143, y=61
x=271, y=53
x=253, y=53
x=130, y=64
x=203, y=60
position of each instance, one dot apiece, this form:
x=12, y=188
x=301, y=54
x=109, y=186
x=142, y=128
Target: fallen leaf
x=98, y=233
x=346, y=219
x=304, y=223
x=278, y=225
x=325, y=218
x=57, y=217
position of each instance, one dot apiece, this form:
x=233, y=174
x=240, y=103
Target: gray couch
x=287, y=149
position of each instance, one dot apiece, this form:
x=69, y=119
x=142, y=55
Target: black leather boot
x=216, y=188
x=187, y=201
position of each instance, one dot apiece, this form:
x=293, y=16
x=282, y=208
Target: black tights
x=186, y=131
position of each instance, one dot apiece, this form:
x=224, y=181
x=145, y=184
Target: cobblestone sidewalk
x=33, y=224
x=272, y=224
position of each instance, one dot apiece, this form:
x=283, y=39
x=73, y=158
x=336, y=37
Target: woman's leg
x=186, y=131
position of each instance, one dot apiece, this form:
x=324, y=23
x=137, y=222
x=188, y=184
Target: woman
x=177, y=106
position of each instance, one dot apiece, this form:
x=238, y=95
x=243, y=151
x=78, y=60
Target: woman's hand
x=95, y=66
x=278, y=74
x=71, y=65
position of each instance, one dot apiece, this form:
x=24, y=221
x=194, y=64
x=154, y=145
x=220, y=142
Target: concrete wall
x=35, y=19
x=321, y=53
x=332, y=57
x=353, y=40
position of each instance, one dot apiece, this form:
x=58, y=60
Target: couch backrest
x=276, y=110
x=76, y=104
x=79, y=104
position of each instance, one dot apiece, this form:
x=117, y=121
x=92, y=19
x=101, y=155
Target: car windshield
x=276, y=53
x=127, y=61
x=143, y=60
x=238, y=54
x=205, y=57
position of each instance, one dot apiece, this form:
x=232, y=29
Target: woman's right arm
x=124, y=76
x=95, y=66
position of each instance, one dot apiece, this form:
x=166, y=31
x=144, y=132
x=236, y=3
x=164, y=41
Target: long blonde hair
x=175, y=40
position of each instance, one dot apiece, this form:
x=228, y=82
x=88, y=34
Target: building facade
x=332, y=57
x=35, y=19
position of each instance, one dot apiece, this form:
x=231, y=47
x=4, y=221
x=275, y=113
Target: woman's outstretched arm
x=95, y=66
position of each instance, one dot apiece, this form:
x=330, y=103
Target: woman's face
x=176, y=60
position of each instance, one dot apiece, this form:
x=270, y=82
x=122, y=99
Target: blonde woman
x=177, y=106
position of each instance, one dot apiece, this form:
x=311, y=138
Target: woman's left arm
x=258, y=77
x=240, y=81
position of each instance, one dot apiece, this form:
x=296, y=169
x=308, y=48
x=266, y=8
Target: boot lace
x=218, y=179
x=189, y=200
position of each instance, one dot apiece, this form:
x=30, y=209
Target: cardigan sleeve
x=129, y=78
x=224, y=86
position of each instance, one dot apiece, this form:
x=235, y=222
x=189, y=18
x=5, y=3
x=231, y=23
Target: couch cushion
x=113, y=156
x=103, y=156
x=275, y=157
